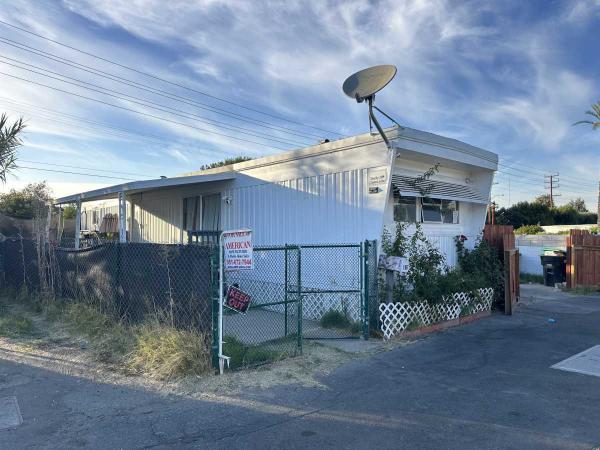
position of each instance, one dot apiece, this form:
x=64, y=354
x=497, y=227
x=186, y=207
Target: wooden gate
x=583, y=259
x=502, y=237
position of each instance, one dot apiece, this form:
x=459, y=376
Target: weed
x=246, y=355
x=86, y=320
x=334, y=319
x=16, y=325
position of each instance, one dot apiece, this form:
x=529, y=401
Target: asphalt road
x=484, y=385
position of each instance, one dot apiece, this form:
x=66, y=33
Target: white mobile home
x=335, y=192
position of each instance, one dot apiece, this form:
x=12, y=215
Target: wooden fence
x=502, y=237
x=583, y=259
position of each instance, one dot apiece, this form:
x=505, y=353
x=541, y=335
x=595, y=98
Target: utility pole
x=551, y=183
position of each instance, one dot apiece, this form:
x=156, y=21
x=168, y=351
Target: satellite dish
x=364, y=84
x=367, y=82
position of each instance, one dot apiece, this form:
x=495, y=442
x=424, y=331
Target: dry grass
x=14, y=325
x=164, y=353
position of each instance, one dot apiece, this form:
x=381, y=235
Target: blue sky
x=510, y=77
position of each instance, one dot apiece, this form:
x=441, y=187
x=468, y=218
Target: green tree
x=595, y=113
x=21, y=204
x=9, y=142
x=578, y=204
x=543, y=199
x=225, y=162
x=69, y=212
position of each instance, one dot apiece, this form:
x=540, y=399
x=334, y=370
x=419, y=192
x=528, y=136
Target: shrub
x=430, y=280
x=529, y=229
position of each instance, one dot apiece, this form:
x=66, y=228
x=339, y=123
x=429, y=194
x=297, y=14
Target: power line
x=153, y=90
x=166, y=81
x=101, y=125
x=75, y=173
x=153, y=105
x=140, y=112
x=84, y=168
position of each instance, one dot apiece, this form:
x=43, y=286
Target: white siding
x=324, y=208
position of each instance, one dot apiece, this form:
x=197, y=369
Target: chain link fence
x=308, y=291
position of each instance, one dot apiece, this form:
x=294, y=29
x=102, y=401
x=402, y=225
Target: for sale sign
x=237, y=250
x=237, y=300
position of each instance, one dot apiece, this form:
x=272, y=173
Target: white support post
x=78, y=224
x=222, y=358
x=122, y=218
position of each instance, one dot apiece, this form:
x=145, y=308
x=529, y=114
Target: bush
x=529, y=229
x=430, y=280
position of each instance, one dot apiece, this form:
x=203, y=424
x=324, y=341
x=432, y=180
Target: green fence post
x=299, y=313
x=365, y=271
x=214, y=283
x=285, y=296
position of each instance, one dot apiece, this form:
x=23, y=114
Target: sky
x=144, y=88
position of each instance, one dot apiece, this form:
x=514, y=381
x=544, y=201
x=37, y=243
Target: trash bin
x=555, y=268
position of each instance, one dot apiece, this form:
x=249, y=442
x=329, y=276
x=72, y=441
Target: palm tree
x=595, y=113
x=9, y=142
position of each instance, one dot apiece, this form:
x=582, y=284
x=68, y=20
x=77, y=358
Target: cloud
x=498, y=75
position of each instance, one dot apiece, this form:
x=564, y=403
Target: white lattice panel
x=396, y=317
x=314, y=305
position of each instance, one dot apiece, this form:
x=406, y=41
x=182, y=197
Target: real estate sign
x=237, y=250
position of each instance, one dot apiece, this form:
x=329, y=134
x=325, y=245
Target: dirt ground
x=51, y=346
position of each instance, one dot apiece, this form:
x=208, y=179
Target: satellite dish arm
x=374, y=119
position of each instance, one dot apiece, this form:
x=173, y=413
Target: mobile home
x=342, y=191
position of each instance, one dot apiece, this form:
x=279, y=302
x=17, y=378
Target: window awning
x=412, y=187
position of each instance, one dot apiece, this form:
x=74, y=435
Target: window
x=191, y=213
x=405, y=209
x=431, y=210
x=428, y=210
x=449, y=211
x=211, y=212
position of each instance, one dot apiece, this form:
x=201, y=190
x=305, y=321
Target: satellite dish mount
x=363, y=85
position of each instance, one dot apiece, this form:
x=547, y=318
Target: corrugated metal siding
x=308, y=209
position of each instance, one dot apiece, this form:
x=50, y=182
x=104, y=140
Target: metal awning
x=143, y=186
x=412, y=187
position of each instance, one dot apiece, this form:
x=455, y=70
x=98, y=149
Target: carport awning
x=412, y=187
x=143, y=186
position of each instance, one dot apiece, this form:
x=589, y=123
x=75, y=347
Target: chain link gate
x=271, y=328
x=335, y=290
x=334, y=282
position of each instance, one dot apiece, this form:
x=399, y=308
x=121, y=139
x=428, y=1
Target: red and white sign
x=237, y=249
x=237, y=300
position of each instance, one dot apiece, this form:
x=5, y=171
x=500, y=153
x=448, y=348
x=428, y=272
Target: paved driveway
x=485, y=385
